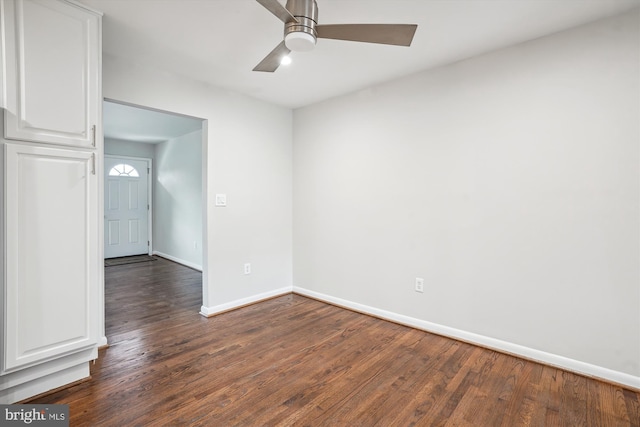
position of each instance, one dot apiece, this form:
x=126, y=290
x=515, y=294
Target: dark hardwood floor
x=296, y=361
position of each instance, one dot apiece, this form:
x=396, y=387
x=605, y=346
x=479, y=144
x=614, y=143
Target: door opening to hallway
x=154, y=193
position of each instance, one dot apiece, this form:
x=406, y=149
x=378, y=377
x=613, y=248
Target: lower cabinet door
x=51, y=258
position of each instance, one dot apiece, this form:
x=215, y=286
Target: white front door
x=126, y=207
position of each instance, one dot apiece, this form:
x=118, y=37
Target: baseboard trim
x=243, y=302
x=103, y=342
x=55, y=390
x=178, y=260
x=39, y=386
x=561, y=362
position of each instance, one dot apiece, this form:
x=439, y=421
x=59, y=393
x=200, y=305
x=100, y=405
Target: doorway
x=173, y=149
x=127, y=202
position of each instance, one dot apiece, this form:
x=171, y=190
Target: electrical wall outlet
x=419, y=284
x=247, y=268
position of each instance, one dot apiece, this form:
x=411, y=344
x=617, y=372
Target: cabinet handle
x=93, y=135
x=93, y=163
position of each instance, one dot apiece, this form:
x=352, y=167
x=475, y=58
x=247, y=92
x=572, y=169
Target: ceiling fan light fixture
x=301, y=29
x=286, y=60
x=299, y=41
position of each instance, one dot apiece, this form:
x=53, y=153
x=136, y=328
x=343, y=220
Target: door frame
x=149, y=163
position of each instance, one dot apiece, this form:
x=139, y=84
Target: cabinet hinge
x=93, y=163
x=93, y=135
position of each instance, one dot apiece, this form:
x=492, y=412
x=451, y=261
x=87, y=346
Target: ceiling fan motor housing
x=301, y=36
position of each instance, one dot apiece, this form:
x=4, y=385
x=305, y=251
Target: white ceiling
x=220, y=41
x=130, y=123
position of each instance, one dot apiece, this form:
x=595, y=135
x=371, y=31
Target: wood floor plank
x=430, y=395
x=632, y=402
x=294, y=361
x=602, y=400
x=573, y=406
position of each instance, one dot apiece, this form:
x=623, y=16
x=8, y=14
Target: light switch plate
x=221, y=200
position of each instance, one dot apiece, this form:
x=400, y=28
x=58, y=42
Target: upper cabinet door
x=53, y=61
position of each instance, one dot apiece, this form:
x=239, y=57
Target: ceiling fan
x=301, y=30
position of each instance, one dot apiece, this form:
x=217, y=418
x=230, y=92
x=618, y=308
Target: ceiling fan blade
x=272, y=61
x=278, y=10
x=395, y=34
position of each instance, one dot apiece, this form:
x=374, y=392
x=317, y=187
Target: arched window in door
x=124, y=169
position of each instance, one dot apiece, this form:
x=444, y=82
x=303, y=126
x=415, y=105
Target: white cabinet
x=52, y=72
x=50, y=199
x=51, y=259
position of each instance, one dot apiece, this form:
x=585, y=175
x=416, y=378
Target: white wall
x=116, y=147
x=509, y=182
x=177, y=199
x=248, y=157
